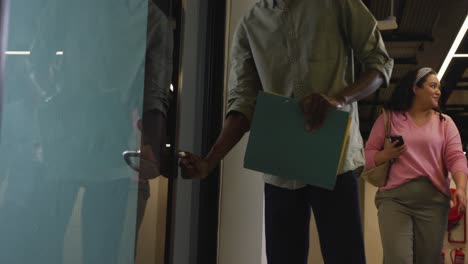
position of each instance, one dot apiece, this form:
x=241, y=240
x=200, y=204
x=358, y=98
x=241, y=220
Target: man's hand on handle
x=193, y=166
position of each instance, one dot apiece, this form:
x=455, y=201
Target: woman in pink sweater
x=413, y=206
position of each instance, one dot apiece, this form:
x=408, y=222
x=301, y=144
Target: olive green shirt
x=298, y=47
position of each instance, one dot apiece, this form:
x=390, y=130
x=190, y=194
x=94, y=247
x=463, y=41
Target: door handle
x=128, y=155
x=148, y=169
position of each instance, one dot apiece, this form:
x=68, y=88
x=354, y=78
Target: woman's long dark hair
x=402, y=97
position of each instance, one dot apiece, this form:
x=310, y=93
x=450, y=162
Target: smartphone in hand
x=399, y=139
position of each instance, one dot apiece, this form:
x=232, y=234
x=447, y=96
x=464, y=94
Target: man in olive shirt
x=304, y=49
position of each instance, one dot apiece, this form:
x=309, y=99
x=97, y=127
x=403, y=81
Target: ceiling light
x=453, y=49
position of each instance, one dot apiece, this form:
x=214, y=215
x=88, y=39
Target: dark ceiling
x=426, y=31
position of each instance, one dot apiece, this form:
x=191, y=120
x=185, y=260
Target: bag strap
x=387, y=116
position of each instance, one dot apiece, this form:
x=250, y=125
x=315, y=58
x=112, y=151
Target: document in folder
x=280, y=145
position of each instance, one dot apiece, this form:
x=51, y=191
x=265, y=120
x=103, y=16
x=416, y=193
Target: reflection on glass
x=17, y=52
x=158, y=74
x=70, y=110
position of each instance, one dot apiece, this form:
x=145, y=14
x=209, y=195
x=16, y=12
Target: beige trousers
x=413, y=221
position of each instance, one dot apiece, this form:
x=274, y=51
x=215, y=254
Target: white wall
x=241, y=192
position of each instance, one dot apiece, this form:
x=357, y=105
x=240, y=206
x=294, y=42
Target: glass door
x=72, y=96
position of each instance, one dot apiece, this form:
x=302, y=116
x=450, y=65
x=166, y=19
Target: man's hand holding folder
x=281, y=144
x=316, y=107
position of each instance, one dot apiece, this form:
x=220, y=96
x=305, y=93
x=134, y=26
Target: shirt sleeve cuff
x=385, y=69
x=155, y=106
x=246, y=110
x=459, y=167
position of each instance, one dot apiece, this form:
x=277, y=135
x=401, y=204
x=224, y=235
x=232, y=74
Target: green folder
x=280, y=145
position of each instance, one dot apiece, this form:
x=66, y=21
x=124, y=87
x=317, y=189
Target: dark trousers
x=287, y=217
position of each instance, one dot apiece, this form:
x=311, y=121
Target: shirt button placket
x=297, y=85
x=297, y=88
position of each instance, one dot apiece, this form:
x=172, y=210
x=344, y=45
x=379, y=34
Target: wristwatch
x=334, y=101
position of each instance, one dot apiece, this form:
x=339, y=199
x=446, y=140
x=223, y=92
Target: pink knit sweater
x=432, y=150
